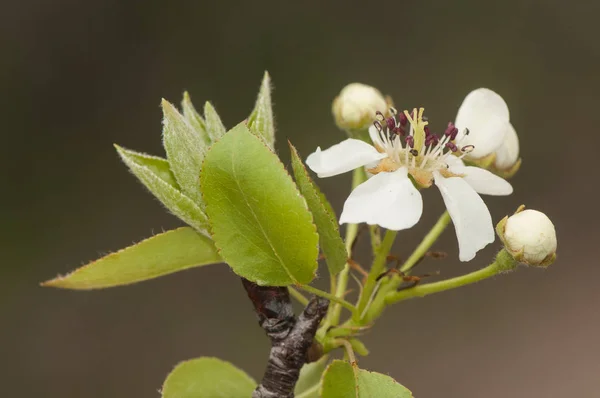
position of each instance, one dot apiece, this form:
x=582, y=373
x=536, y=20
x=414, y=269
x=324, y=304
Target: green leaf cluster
x=175, y=182
x=239, y=201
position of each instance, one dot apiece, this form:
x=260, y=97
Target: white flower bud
x=485, y=116
x=529, y=236
x=356, y=106
x=508, y=153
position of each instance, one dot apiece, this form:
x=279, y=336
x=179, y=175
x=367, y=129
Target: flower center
x=407, y=140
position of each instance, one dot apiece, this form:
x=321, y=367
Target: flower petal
x=483, y=181
x=386, y=199
x=508, y=152
x=340, y=158
x=471, y=217
x=485, y=114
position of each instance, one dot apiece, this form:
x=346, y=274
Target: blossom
x=404, y=154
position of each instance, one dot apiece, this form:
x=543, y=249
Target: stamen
x=391, y=123
x=398, y=130
x=467, y=148
x=393, y=111
x=379, y=116
x=402, y=119
x=414, y=152
x=431, y=140
x=451, y=131
x=377, y=125
x=451, y=146
x=410, y=141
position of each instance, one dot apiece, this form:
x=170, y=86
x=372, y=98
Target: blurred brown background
x=77, y=76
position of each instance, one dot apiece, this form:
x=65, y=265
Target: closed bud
x=506, y=158
x=356, y=107
x=529, y=236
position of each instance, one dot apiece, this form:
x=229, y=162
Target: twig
x=291, y=339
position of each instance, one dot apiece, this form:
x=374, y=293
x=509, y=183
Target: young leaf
x=261, y=121
x=156, y=164
x=310, y=378
x=152, y=172
x=214, y=125
x=185, y=150
x=329, y=235
x=159, y=255
x=341, y=380
x=207, y=378
x=259, y=220
x=192, y=116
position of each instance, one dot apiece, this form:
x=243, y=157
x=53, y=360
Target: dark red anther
x=402, y=119
x=451, y=131
x=454, y=133
x=410, y=141
x=431, y=139
x=398, y=130
x=427, y=131
x=391, y=123
x=451, y=146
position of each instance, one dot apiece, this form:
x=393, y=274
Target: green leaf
x=341, y=380
x=157, y=165
x=329, y=234
x=259, y=220
x=310, y=378
x=152, y=172
x=261, y=121
x=214, y=125
x=185, y=151
x=192, y=116
x=207, y=378
x=159, y=255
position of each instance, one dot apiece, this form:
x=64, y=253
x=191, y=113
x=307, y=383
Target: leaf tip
x=58, y=282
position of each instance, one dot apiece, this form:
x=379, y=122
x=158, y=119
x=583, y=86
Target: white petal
x=389, y=200
x=483, y=181
x=486, y=116
x=508, y=152
x=471, y=217
x=340, y=158
x=454, y=161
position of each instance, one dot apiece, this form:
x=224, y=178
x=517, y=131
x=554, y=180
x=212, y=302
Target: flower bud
x=482, y=121
x=356, y=106
x=508, y=152
x=529, y=236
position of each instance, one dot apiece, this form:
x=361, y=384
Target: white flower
x=530, y=237
x=485, y=115
x=355, y=107
x=390, y=199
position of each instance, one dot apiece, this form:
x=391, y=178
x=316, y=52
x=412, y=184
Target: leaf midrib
x=233, y=171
